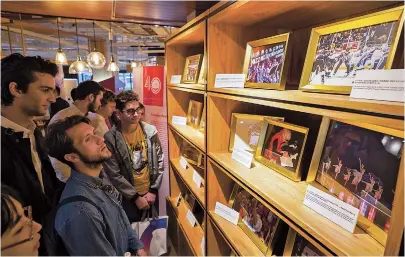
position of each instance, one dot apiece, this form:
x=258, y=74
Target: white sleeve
x=62, y=170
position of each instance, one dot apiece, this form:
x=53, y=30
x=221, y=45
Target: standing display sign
x=153, y=78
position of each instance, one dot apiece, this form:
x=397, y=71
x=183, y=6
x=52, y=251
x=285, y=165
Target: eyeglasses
x=27, y=214
x=132, y=111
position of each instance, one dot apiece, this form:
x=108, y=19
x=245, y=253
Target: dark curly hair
x=20, y=69
x=125, y=97
x=108, y=96
x=9, y=217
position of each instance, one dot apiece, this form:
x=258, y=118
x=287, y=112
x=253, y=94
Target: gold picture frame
x=191, y=153
x=245, y=131
x=194, y=114
x=286, y=158
x=203, y=72
x=298, y=245
x=364, y=184
x=328, y=50
x=272, y=53
x=202, y=122
x=268, y=223
x=192, y=69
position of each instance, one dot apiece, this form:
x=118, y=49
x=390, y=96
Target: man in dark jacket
x=58, y=105
x=27, y=89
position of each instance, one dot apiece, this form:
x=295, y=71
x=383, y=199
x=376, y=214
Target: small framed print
x=191, y=201
x=191, y=154
x=337, y=51
x=194, y=114
x=266, y=62
x=360, y=163
x=203, y=72
x=297, y=245
x=245, y=131
x=192, y=69
x=255, y=219
x=281, y=146
x=202, y=122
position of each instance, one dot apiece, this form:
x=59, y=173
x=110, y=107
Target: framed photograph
x=255, y=219
x=202, y=122
x=191, y=154
x=245, y=131
x=360, y=164
x=281, y=146
x=192, y=69
x=297, y=245
x=266, y=62
x=191, y=201
x=203, y=72
x=194, y=114
x=338, y=51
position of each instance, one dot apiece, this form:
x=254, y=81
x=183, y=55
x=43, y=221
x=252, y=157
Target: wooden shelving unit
x=221, y=35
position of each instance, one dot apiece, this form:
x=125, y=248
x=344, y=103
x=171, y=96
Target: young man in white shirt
x=100, y=118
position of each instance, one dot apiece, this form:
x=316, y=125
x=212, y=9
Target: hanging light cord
x=94, y=34
x=111, y=39
x=77, y=39
x=57, y=24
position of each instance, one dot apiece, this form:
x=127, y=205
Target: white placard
x=175, y=79
x=191, y=218
x=197, y=179
x=243, y=157
x=203, y=246
x=332, y=208
x=227, y=213
x=387, y=85
x=180, y=120
x=229, y=81
x=178, y=199
x=183, y=162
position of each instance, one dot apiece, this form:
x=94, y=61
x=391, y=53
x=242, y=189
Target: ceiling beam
x=128, y=44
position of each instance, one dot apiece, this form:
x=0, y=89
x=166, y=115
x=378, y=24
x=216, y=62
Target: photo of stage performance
x=360, y=167
x=266, y=63
x=339, y=56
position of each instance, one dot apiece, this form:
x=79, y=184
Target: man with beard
x=88, y=98
x=27, y=89
x=95, y=224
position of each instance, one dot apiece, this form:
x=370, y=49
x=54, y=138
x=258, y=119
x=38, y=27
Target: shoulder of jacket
x=149, y=129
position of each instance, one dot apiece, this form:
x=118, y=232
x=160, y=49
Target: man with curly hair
x=136, y=166
x=100, y=118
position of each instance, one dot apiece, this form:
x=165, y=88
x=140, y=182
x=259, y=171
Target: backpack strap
x=76, y=198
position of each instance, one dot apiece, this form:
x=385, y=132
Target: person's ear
x=14, y=91
x=91, y=97
x=72, y=157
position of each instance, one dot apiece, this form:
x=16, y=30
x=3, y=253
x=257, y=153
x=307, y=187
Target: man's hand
x=141, y=252
x=142, y=203
x=150, y=197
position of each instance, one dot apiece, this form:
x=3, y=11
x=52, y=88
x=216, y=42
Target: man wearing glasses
x=136, y=166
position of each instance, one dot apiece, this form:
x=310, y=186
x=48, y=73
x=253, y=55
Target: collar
x=95, y=182
x=6, y=123
x=74, y=107
x=95, y=116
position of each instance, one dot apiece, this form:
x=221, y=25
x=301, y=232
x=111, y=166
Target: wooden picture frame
x=298, y=245
x=269, y=223
x=287, y=156
x=192, y=69
x=203, y=72
x=262, y=52
x=191, y=153
x=202, y=121
x=190, y=201
x=194, y=114
x=375, y=145
x=245, y=131
x=353, y=43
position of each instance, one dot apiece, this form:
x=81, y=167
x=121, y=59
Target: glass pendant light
x=112, y=66
x=133, y=63
x=60, y=55
x=140, y=52
x=79, y=66
x=95, y=59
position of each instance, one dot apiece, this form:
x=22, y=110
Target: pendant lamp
x=140, y=52
x=133, y=63
x=112, y=66
x=95, y=59
x=79, y=66
x=60, y=55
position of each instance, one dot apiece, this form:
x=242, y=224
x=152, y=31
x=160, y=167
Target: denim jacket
x=87, y=230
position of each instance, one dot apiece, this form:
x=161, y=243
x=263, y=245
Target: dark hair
x=125, y=97
x=57, y=90
x=9, y=217
x=20, y=69
x=73, y=94
x=88, y=87
x=141, y=106
x=108, y=96
x=58, y=142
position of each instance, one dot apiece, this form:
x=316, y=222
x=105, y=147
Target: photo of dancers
x=339, y=56
x=255, y=219
x=360, y=167
x=265, y=63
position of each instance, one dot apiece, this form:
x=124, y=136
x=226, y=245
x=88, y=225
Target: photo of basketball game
x=341, y=55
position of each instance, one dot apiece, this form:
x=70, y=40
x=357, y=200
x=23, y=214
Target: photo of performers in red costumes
x=360, y=167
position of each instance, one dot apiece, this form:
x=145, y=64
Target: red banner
x=153, y=85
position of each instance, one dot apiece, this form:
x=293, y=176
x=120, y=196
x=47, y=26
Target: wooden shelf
x=193, y=88
x=187, y=177
x=195, y=234
x=235, y=236
x=287, y=196
x=322, y=100
x=191, y=134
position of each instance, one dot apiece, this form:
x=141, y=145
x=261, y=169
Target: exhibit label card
x=178, y=199
x=386, y=85
x=183, y=162
x=243, y=157
x=339, y=212
x=227, y=213
x=191, y=218
x=229, y=81
x=203, y=246
x=175, y=79
x=197, y=179
x=179, y=120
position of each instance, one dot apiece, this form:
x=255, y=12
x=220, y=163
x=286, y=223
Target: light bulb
x=112, y=66
x=60, y=57
x=96, y=60
x=79, y=67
